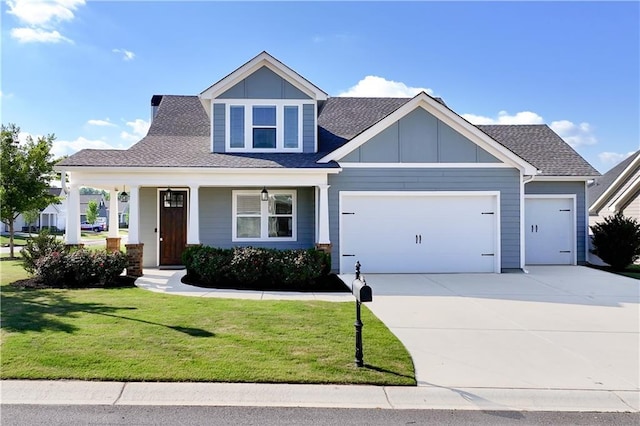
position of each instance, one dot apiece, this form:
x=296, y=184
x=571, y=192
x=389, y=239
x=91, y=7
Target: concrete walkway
x=556, y=339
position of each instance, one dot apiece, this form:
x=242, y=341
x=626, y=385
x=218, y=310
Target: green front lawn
x=131, y=334
x=18, y=240
x=632, y=271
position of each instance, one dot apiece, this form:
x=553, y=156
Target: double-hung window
x=264, y=125
x=272, y=220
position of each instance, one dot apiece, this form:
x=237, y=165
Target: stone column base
x=113, y=244
x=134, y=258
x=325, y=247
x=70, y=247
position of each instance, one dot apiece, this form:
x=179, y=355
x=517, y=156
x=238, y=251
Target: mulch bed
x=36, y=283
x=327, y=284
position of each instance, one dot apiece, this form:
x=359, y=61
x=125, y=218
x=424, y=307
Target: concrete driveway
x=554, y=328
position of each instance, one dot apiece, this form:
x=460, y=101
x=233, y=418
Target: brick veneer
x=134, y=257
x=74, y=246
x=324, y=247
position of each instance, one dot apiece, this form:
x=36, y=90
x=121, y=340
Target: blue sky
x=86, y=71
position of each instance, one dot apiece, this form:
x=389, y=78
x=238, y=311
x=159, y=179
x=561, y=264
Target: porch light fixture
x=167, y=195
x=123, y=196
x=264, y=194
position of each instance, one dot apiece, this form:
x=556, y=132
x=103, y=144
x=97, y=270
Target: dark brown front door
x=173, y=226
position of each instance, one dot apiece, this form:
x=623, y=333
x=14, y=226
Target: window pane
x=236, y=117
x=248, y=204
x=280, y=227
x=290, y=126
x=264, y=116
x=280, y=204
x=264, y=138
x=248, y=227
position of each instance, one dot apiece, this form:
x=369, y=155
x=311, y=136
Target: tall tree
x=25, y=172
x=92, y=211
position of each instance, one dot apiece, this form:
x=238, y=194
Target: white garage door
x=418, y=232
x=549, y=230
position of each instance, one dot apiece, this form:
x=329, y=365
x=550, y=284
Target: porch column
x=324, y=243
x=72, y=228
x=134, y=247
x=113, y=214
x=134, y=215
x=113, y=240
x=193, y=229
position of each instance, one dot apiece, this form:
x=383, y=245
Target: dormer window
x=264, y=125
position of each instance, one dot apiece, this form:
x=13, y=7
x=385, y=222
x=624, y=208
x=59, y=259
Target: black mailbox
x=361, y=290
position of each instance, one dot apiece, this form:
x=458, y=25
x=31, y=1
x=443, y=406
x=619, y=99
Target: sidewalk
x=334, y=396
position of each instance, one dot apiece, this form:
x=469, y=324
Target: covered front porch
x=172, y=209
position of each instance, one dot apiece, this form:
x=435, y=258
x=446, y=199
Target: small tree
x=92, y=211
x=617, y=241
x=30, y=217
x=25, y=172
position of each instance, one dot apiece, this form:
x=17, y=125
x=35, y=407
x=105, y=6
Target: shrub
x=39, y=246
x=80, y=268
x=617, y=241
x=255, y=267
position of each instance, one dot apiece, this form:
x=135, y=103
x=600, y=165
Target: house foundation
x=134, y=259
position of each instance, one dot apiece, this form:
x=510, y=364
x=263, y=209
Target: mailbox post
x=362, y=293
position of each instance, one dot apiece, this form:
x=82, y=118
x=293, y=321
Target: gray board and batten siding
x=216, y=222
x=556, y=188
x=504, y=180
x=419, y=137
x=264, y=84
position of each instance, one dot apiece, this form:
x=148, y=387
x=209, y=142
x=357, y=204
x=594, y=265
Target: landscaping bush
x=250, y=267
x=80, y=268
x=617, y=241
x=39, y=246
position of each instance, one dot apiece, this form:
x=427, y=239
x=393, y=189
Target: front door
x=173, y=226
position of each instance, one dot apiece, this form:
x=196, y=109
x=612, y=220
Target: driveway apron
x=556, y=327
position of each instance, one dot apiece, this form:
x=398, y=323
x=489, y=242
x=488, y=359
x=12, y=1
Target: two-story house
x=265, y=158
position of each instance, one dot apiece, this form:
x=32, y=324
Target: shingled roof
x=601, y=184
x=542, y=147
x=179, y=136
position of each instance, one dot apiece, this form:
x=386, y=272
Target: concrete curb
x=334, y=396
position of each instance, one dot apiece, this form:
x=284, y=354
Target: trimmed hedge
x=616, y=240
x=252, y=267
x=80, y=268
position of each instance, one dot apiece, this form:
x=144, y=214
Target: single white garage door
x=419, y=232
x=549, y=230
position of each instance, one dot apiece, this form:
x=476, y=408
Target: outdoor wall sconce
x=264, y=194
x=123, y=196
x=167, y=195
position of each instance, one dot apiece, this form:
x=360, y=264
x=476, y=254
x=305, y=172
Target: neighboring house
x=52, y=217
x=618, y=190
x=265, y=158
x=100, y=201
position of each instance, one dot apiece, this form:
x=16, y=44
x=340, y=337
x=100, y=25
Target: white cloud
x=100, y=123
x=61, y=148
x=139, y=129
x=522, y=117
x=37, y=35
x=373, y=86
x=5, y=95
x=612, y=158
x=40, y=19
x=576, y=135
x=43, y=12
x=127, y=55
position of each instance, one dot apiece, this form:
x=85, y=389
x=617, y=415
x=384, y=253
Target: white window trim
x=264, y=216
x=248, y=105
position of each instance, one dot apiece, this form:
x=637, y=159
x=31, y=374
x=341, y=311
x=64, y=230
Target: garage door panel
x=413, y=234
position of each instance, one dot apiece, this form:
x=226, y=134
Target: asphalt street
x=22, y=415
